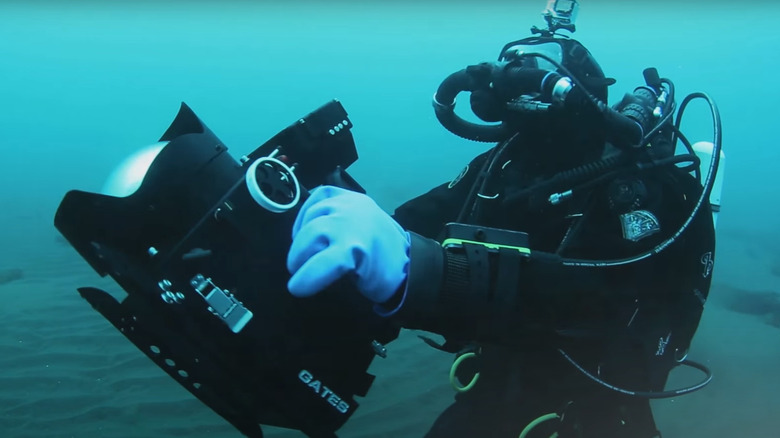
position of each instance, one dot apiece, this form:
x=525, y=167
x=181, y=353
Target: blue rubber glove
x=339, y=232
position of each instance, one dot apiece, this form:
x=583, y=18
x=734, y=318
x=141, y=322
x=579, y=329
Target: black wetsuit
x=627, y=324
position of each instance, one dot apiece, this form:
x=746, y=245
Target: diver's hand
x=339, y=232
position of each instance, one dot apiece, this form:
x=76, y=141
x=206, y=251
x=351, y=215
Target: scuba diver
x=567, y=267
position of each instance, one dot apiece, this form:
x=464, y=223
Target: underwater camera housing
x=200, y=249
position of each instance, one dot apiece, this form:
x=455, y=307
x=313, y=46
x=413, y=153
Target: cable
x=651, y=395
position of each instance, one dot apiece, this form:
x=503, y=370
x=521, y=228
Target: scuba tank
x=704, y=150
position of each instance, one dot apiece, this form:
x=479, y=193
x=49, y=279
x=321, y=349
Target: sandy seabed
x=65, y=372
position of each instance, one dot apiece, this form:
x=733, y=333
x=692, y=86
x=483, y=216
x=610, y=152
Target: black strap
x=479, y=278
x=505, y=303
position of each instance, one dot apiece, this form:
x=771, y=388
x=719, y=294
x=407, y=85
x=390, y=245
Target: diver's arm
x=499, y=295
x=496, y=292
x=473, y=293
x=445, y=294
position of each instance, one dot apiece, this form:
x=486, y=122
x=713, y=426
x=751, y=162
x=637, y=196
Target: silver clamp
x=222, y=303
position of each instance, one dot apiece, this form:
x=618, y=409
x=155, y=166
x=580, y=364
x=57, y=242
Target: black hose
x=451, y=86
x=444, y=108
x=689, y=148
x=510, y=82
x=717, y=137
x=571, y=176
x=707, y=189
x=646, y=394
x=471, y=206
x=640, y=167
x=624, y=132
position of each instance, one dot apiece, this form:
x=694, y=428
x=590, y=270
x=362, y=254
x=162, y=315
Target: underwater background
x=84, y=84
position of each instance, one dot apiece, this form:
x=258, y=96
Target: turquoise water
x=83, y=84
